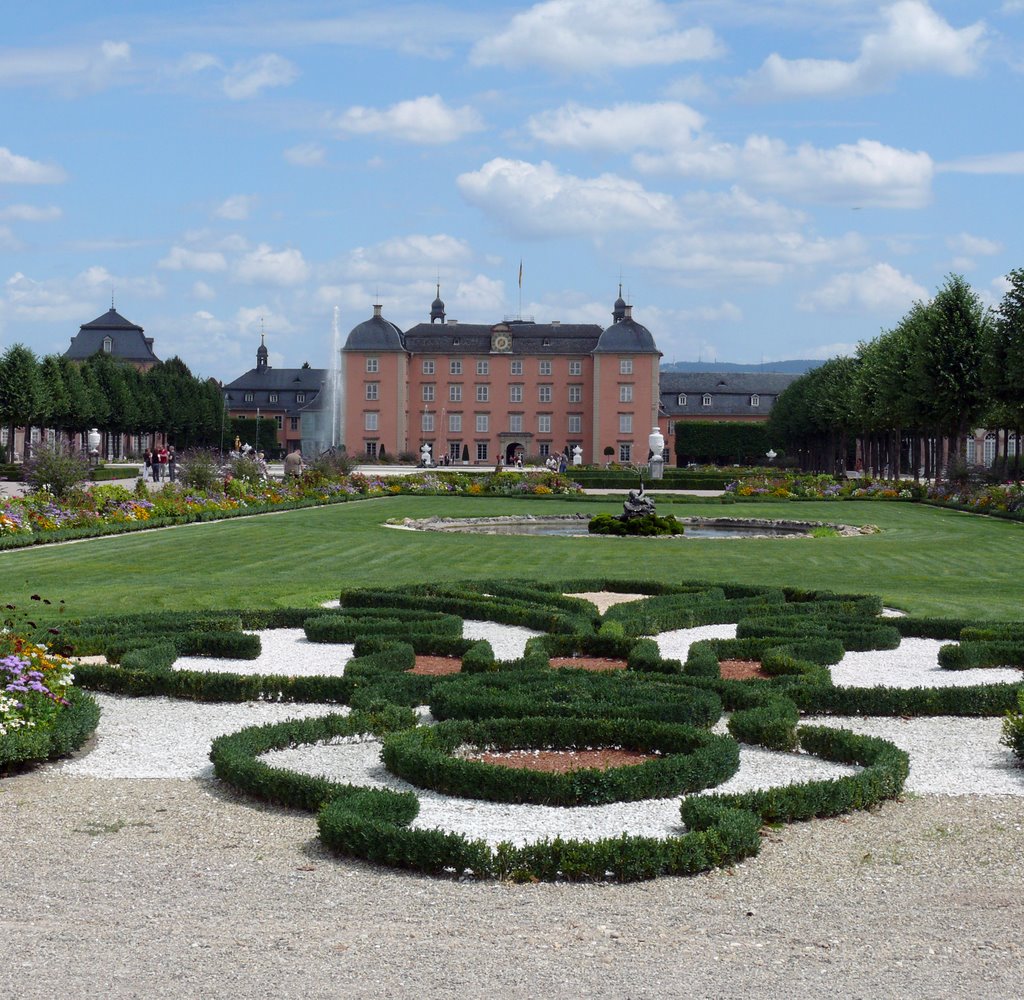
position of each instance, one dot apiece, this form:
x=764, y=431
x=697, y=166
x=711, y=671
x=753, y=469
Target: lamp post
x=223, y=419
x=656, y=442
x=258, y=418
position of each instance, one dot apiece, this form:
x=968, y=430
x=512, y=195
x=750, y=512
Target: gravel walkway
x=162, y=883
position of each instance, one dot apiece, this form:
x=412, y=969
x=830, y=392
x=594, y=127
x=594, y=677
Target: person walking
x=161, y=472
x=172, y=466
x=293, y=464
x=147, y=458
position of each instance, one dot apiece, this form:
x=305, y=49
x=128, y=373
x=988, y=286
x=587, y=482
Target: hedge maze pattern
x=656, y=704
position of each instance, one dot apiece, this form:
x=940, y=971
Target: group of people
x=557, y=463
x=161, y=463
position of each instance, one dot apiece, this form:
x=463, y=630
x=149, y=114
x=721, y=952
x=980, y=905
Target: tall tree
x=21, y=393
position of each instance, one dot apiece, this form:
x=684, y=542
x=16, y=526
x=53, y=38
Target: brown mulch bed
x=562, y=761
x=436, y=666
x=742, y=670
x=588, y=662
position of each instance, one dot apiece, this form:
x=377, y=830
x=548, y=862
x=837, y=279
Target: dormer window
x=755, y=400
x=546, y=342
x=706, y=399
x=273, y=397
x=108, y=345
x=248, y=397
x=300, y=397
x=681, y=399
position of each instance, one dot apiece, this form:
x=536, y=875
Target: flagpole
x=520, y=287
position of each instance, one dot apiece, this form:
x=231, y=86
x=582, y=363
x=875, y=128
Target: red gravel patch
x=588, y=662
x=436, y=666
x=562, y=761
x=742, y=670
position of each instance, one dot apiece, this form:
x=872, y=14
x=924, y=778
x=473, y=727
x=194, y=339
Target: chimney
x=376, y=310
x=556, y=322
x=629, y=312
x=453, y=322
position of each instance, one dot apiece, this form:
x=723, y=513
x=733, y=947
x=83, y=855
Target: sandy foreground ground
x=179, y=888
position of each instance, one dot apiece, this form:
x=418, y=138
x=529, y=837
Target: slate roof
x=128, y=341
x=730, y=393
x=279, y=380
x=627, y=337
x=527, y=338
x=375, y=334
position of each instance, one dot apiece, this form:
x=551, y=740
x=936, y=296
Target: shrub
x=650, y=525
x=200, y=468
x=56, y=469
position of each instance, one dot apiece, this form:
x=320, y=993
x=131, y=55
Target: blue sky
x=771, y=178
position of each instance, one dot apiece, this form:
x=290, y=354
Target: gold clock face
x=501, y=342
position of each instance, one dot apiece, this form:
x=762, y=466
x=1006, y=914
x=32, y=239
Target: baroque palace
x=478, y=393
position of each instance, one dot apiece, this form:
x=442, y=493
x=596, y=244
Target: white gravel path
x=170, y=738
x=676, y=644
x=915, y=663
x=284, y=651
x=948, y=756
x=507, y=641
x=357, y=761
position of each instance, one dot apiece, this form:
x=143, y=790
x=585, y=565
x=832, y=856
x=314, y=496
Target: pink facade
x=481, y=394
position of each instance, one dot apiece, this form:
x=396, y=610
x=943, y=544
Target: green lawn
x=925, y=560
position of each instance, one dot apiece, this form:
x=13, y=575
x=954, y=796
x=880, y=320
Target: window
x=300, y=397
x=428, y=366
x=428, y=393
x=370, y=420
x=575, y=367
x=517, y=368
x=544, y=423
x=248, y=397
x=515, y=393
x=483, y=367
x=455, y=450
x=545, y=368
x=755, y=400
x=625, y=423
x=483, y=423
x=373, y=390
x=454, y=367
x=108, y=345
x=989, y=453
x=483, y=393
x=293, y=423
x=370, y=447
x=279, y=420
x=575, y=423
x=273, y=397
x=625, y=366
x=454, y=423
x=681, y=399
x=455, y=393
x=971, y=451
x=372, y=364
x=543, y=394
x=544, y=448
x=625, y=452
x=705, y=400
x=546, y=342
x=427, y=422
x=625, y=393
x=515, y=423
x=481, y=451
x=575, y=394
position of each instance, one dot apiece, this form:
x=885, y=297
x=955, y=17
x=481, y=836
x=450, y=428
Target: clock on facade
x=501, y=342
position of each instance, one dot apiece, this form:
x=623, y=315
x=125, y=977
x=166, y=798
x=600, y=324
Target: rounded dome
x=627, y=336
x=375, y=334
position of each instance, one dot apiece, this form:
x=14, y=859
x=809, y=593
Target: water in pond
x=565, y=529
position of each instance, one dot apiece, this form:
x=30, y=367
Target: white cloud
x=30, y=213
x=69, y=69
x=206, y=322
x=201, y=290
x=236, y=208
x=724, y=312
x=975, y=246
x=252, y=319
x=183, y=259
x=623, y=126
x=737, y=204
x=539, y=200
x=307, y=154
x=688, y=88
x=592, y=36
x=422, y=120
x=272, y=267
x=879, y=288
x=406, y=257
x=74, y=301
x=15, y=169
x=864, y=173
x=992, y=163
x=8, y=241
x=913, y=38
x=249, y=77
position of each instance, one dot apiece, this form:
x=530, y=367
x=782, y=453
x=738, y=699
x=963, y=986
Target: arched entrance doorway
x=513, y=449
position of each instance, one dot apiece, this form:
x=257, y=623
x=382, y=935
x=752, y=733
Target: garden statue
x=638, y=504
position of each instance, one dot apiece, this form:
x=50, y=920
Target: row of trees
x=911, y=396
x=71, y=397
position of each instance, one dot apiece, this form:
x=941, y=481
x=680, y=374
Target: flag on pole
x=520, y=272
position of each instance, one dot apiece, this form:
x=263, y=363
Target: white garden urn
x=656, y=442
x=425, y=455
x=577, y=455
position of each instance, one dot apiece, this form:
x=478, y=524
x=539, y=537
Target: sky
x=768, y=179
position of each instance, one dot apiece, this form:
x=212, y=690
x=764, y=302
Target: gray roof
x=526, y=337
x=279, y=380
x=375, y=334
x=730, y=393
x=128, y=341
x=627, y=337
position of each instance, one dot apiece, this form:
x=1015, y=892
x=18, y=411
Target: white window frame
x=429, y=393
x=516, y=368
x=483, y=393
x=371, y=420
x=681, y=399
x=455, y=392
x=428, y=366
x=427, y=422
x=575, y=423
x=483, y=423
x=625, y=366
x=626, y=393
x=625, y=451
x=373, y=390
x=300, y=397
x=273, y=397
x=575, y=394
x=454, y=423
x=755, y=399
x=372, y=365
x=248, y=397
x=705, y=400
x=483, y=367
x=544, y=368
x=515, y=423
x=454, y=367
x=515, y=393
x=481, y=451
x=543, y=423
x=575, y=367
x=544, y=393
x=625, y=423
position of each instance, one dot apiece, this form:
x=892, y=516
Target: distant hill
x=731, y=366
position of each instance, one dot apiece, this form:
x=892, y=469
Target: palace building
x=482, y=393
